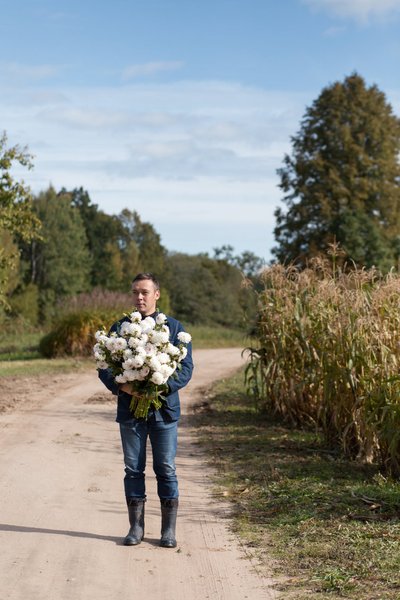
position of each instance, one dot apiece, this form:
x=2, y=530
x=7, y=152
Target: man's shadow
x=119, y=541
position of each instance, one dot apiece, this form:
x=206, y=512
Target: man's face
x=145, y=296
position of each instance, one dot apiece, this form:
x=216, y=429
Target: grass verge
x=22, y=345
x=20, y=357
x=44, y=366
x=216, y=337
x=331, y=526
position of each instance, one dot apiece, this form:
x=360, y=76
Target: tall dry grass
x=329, y=354
x=79, y=317
x=96, y=300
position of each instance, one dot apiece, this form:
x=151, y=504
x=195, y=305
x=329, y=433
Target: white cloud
x=89, y=118
x=84, y=118
x=362, y=11
x=192, y=156
x=150, y=68
x=334, y=31
x=196, y=159
x=22, y=72
x=182, y=160
x=221, y=130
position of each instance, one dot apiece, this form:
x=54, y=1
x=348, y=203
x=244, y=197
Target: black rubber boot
x=169, y=510
x=136, y=520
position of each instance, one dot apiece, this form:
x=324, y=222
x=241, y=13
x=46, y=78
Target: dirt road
x=63, y=514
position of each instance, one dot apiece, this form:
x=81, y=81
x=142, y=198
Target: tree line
x=77, y=248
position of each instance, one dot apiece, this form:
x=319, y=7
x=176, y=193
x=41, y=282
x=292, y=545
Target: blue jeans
x=163, y=437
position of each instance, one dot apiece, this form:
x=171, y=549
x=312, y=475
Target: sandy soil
x=63, y=515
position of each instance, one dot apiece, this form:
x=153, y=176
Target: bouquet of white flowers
x=141, y=355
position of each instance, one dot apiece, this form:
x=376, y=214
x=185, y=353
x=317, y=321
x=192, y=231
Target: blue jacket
x=171, y=409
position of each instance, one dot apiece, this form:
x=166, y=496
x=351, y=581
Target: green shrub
x=73, y=335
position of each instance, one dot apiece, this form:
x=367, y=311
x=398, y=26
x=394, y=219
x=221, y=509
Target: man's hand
x=125, y=387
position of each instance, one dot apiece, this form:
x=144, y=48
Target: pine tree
x=104, y=234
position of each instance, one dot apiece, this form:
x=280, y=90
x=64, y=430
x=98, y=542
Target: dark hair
x=148, y=276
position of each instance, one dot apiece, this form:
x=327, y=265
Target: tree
x=104, y=235
x=60, y=262
x=151, y=252
x=248, y=263
x=9, y=262
x=16, y=215
x=204, y=290
x=342, y=179
x=120, y=246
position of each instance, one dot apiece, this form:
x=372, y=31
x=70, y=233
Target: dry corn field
x=328, y=355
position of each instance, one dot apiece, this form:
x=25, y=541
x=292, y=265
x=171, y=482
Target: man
x=161, y=427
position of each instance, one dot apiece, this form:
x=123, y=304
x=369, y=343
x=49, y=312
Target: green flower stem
x=141, y=403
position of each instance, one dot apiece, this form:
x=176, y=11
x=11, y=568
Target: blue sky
x=181, y=109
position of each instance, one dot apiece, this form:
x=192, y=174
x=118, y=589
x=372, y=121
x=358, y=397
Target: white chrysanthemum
x=101, y=365
x=153, y=336
x=131, y=374
x=143, y=339
x=120, y=344
x=183, y=353
x=128, y=364
x=173, y=350
x=110, y=344
x=158, y=378
x=184, y=337
x=100, y=335
x=124, y=329
x=159, y=337
x=140, y=351
x=147, y=324
x=139, y=375
x=128, y=353
x=97, y=348
x=161, y=318
x=166, y=371
x=138, y=361
x=130, y=329
x=150, y=349
x=163, y=337
x=135, y=329
x=100, y=356
x=163, y=357
x=144, y=371
x=120, y=379
x=133, y=342
x=154, y=363
x=136, y=317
